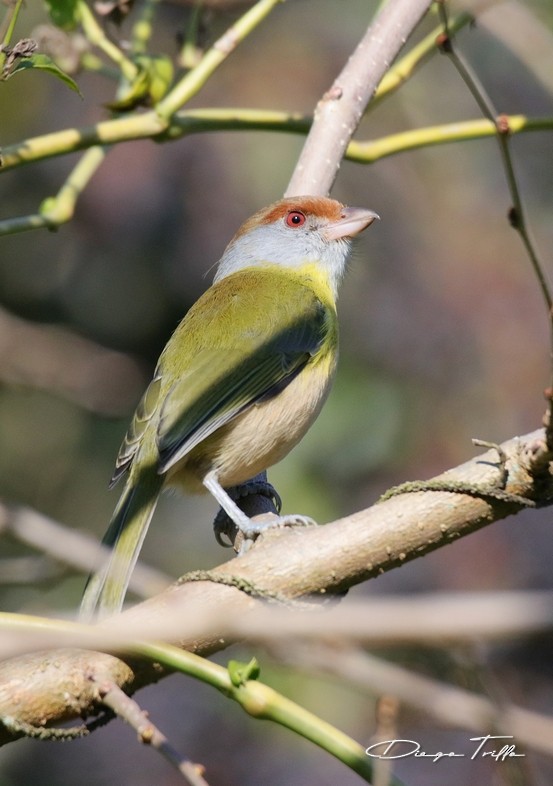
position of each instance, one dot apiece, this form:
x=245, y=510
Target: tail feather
x=106, y=589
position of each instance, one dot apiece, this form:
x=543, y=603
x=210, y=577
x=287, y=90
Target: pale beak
x=352, y=221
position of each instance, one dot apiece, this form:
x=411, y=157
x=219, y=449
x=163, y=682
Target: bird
x=240, y=381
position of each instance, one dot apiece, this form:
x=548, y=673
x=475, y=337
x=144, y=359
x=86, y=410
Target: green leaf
x=63, y=13
x=131, y=94
x=43, y=63
x=160, y=71
x=150, y=85
x=240, y=672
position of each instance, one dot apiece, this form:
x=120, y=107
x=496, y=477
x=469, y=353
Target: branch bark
x=340, y=110
x=54, y=687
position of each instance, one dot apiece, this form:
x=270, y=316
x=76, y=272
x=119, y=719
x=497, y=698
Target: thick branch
x=341, y=108
x=56, y=686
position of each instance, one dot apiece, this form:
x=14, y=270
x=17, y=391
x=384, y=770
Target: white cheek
x=289, y=247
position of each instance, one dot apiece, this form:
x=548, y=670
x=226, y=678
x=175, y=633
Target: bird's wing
x=221, y=383
x=142, y=416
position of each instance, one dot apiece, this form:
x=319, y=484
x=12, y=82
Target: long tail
x=106, y=589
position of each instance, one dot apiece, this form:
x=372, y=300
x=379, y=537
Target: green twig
x=7, y=29
x=121, y=129
x=195, y=79
x=258, y=700
x=203, y=120
x=149, y=126
x=97, y=37
x=375, y=149
x=261, y=701
x=11, y=226
x=59, y=209
x=10, y=21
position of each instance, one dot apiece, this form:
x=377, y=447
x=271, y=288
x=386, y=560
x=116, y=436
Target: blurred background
x=444, y=337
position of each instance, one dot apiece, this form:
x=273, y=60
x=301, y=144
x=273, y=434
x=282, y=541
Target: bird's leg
x=240, y=519
x=255, y=497
x=258, y=486
x=248, y=528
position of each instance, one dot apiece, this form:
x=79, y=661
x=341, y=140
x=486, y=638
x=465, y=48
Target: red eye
x=295, y=218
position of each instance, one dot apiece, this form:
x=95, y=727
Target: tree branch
x=341, y=108
x=57, y=686
x=126, y=708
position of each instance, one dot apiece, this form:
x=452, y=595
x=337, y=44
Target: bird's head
x=297, y=231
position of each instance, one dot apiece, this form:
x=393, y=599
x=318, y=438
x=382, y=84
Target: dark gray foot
x=255, y=497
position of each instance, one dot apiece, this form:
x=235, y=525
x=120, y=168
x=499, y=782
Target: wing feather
x=204, y=401
x=220, y=362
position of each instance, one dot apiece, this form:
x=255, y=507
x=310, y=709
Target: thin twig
x=60, y=209
x=195, y=79
x=367, y=152
x=8, y=24
x=57, y=210
x=190, y=53
x=450, y=619
x=129, y=710
x=94, y=33
x=197, y=121
x=517, y=216
x=387, y=712
x=516, y=213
